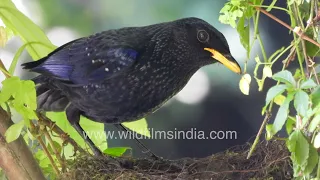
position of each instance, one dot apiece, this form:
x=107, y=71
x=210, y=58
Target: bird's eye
x=203, y=36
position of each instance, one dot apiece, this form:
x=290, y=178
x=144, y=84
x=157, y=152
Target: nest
x=271, y=160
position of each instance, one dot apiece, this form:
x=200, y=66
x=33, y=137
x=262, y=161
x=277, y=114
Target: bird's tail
x=32, y=64
x=49, y=98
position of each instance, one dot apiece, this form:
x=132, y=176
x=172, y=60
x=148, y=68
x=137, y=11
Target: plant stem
x=256, y=140
x=303, y=36
x=284, y=51
x=45, y=149
x=47, y=122
x=47, y=135
x=274, y=7
x=4, y=70
x=257, y=35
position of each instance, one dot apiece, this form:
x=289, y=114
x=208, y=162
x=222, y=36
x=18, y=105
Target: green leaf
x=314, y=123
x=318, y=170
x=275, y=91
x=14, y=131
x=285, y=77
x=231, y=11
x=299, y=147
x=236, y=2
x=282, y=114
x=244, y=33
x=308, y=84
x=279, y=99
x=56, y=145
x=297, y=74
x=139, y=126
x=315, y=97
x=25, y=29
x=24, y=96
x=5, y=35
x=271, y=5
x=289, y=125
x=312, y=161
x=311, y=49
x=301, y=102
x=269, y=131
x=116, y=151
x=94, y=130
x=8, y=88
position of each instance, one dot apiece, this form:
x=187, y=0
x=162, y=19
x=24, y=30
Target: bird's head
x=206, y=43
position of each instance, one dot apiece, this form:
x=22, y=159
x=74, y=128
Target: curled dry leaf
x=244, y=84
x=267, y=71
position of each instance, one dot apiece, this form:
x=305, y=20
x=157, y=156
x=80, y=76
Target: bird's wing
x=87, y=60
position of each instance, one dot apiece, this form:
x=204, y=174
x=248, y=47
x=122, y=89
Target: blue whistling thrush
x=125, y=74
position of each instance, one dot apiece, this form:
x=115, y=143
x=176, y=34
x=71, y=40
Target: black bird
x=125, y=74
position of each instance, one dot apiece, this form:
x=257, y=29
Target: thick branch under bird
x=125, y=74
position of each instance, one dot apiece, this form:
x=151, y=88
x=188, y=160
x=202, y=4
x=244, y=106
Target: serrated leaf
x=308, y=84
x=225, y=8
x=312, y=161
x=314, y=123
x=14, y=131
x=8, y=88
x=285, y=77
x=299, y=147
x=116, y=151
x=139, y=126
x=282, y=114
x=301, y=102
x=275, y=91
x=24, y=96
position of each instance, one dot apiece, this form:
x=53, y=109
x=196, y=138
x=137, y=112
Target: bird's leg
x=73, y=116
x=140, y=144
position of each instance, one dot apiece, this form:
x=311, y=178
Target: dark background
x=211, y=100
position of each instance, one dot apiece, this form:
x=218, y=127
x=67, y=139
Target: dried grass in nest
x=270, y=161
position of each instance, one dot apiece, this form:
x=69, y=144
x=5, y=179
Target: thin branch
x=57, y=153
x=256, y=140
x=45, y=149
x=47, y=122
x=299, y=33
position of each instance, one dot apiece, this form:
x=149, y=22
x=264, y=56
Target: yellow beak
x=229, y=63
